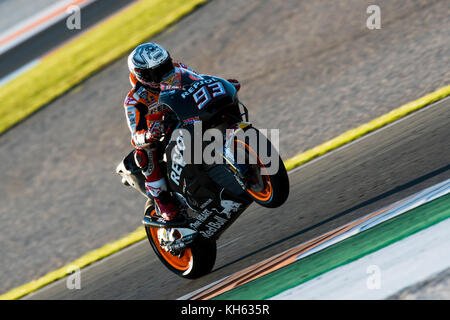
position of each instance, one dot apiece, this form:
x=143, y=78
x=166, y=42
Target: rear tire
x=194, y=262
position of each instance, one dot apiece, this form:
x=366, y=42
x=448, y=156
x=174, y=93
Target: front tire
x=193, y=262
x=272, y=190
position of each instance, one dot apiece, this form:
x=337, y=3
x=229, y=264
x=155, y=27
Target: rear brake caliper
x=174, y=240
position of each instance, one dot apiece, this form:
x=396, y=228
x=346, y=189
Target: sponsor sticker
x=191, y=120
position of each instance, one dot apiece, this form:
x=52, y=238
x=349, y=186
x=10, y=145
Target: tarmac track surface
x=311, y=68
x=349, y=183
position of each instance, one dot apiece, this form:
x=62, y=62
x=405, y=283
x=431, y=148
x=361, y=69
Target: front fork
x=239, y=170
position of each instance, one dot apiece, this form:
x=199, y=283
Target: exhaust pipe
x=161, y=223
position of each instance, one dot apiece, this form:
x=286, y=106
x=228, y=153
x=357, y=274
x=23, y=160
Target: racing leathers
x=145, y=120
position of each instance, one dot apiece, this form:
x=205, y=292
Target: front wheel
x=267, y=183
x=191, y=263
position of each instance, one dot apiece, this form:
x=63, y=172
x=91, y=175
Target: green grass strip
x=342, y=253
x=87, y=54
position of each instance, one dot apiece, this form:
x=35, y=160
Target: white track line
x=398, y=208
x=19, y=71
x=35, y=24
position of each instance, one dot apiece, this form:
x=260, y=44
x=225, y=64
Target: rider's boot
x=166, y=205
x=158, y=191
x=155, y=184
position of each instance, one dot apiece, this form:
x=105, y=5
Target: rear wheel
x=266, y=185
x=190, y=263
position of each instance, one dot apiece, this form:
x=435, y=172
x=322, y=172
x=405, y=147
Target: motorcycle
x=209, y=195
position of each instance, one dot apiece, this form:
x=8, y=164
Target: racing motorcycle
x=210, y=196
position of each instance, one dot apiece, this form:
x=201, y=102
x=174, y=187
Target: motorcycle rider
x=150, y=64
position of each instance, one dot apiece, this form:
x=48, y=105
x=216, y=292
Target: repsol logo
x=178, y=162
x=195, y=86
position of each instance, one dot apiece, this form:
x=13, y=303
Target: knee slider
x=141, y=159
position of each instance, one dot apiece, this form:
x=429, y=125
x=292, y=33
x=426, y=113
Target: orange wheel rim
x=182, y=263
x=266, y=193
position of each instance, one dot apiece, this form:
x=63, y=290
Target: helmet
x=149, y=63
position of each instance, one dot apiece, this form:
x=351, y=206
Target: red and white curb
x=382, y=273
x=387, y=213
x=305, y=249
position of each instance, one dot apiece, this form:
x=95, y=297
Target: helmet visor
x=155, y=74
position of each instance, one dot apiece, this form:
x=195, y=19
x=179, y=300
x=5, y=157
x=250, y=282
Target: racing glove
x=235, y=83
